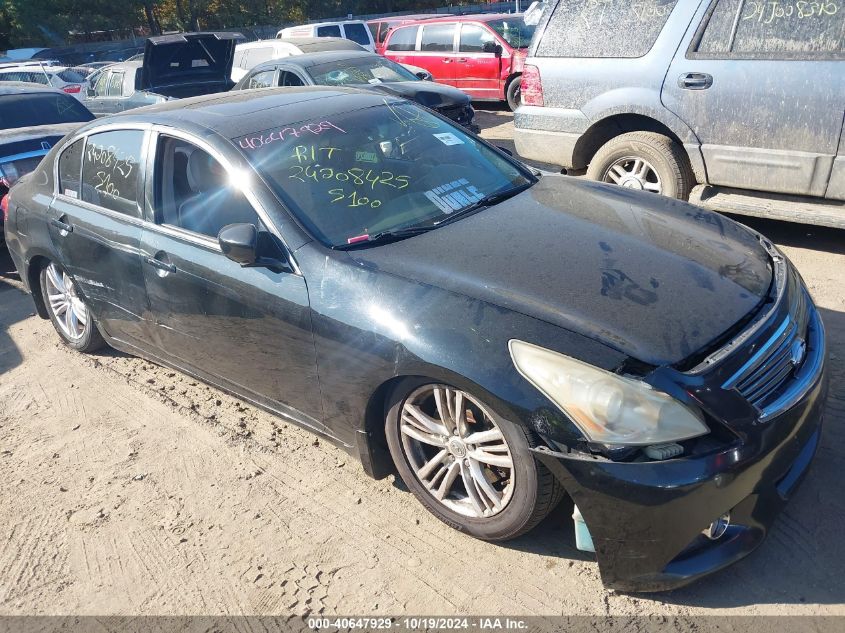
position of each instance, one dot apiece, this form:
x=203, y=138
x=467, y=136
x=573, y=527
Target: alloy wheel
x=634, y=173
x=457, y=451
x=68, y=308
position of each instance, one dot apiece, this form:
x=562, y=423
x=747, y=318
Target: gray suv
x=737, y=105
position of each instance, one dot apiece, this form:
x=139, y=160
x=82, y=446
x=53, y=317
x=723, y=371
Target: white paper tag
x=447, y=138
x=70, y=193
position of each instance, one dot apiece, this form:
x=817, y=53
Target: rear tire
x=493, y=502
x=68, y=312
x=514, y=93
x=645, y=161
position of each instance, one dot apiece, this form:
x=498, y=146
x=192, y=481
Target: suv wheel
x=67, y=310
x=471, y=469
x=645, y=161
x=514, y=93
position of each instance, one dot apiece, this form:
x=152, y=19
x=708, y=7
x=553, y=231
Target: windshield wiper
x=383, y=237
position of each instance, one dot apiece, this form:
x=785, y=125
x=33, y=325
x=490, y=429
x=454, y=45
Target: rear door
x=95, y=225
x=248, y=329
x=761, y=85
x=401, y=46
x=437, y=53
x=478, y=68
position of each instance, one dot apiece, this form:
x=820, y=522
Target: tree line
x=56, y=22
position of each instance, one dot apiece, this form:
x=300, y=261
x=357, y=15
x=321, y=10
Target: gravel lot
x=126, y=488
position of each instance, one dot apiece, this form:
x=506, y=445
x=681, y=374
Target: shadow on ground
x=12, y=311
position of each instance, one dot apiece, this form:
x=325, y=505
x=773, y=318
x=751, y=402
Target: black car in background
x=361, y=69
x=173, y=66
x=33, y=118
x=369, y=270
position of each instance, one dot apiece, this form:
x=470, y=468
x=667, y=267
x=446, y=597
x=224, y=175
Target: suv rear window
x=357, y=33
x=404, y=39
x=604, y=28
x=332, y=30
x=756, y=28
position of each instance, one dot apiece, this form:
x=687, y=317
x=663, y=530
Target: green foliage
x=55, y=22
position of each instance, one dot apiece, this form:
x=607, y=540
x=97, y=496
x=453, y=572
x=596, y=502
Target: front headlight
x=609, y=409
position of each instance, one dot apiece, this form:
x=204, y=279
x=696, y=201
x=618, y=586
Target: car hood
x=654, y=278
x=188, y=58
x=427, y=93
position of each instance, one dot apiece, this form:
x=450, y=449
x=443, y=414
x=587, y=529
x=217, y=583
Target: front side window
x=514, y=31
x=111, y=170
x=193, y=191
x=115, y=85
x=604, y=28
x=263, y=79
x=381, y=168
x=755, y=28
x=357, y=33
x=438, y=37
x=102, y=85
x=70, y=166
x=359, y=70
x=474, y=37
x=403, y=39
x=289, y=78
x=331, y=30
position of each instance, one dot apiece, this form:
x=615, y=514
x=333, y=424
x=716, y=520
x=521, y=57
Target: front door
x=96, y=228
x=761, y=87
x=478, y=68
x=247, y=329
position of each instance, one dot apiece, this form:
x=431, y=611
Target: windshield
x=24, y=110
x=379, y=169
x=514, y=31
x=359, y=70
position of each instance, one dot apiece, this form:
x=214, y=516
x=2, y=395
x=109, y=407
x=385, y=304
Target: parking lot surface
x=128, y=488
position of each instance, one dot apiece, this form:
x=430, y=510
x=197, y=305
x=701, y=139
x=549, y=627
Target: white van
x=250, y=54
x=355, y=30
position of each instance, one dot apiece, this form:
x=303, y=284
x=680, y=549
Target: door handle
x=447, y=60
x=157, y=263
x=62, y=226
x=695, y=81
x=461, y=59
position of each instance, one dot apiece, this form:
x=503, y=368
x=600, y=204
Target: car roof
x=409, y=18
x=24, y=87
x=234, y=114
x=313, y=59
x=122, y=65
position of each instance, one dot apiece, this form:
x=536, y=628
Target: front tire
x=644, y=161
x=68, y=312
x=514, y=93
x=470, y=468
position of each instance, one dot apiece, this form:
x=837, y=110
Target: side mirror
x=424, y=75
x=239, y=242
x=90, y=92
x=492, y=47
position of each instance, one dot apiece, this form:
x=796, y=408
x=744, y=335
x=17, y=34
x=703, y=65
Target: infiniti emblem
x=797, y=351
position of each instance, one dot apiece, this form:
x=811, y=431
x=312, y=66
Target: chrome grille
x=762, y=378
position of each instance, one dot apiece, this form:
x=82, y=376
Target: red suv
x=482, y=55
x=381, y=27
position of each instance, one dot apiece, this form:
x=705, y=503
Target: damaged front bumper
x=646, y=518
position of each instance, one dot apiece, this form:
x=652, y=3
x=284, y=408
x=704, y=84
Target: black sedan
x=361, y=69
x=367, y=269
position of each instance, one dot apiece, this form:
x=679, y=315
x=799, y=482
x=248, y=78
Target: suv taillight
x=531, y=89
x=72, y=89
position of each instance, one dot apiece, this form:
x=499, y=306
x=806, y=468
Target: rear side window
x=604, y=28
x=288, y=78
x=762, y=29
x=404, y=39
x=357, y=33
x=438, y=37
x=115, y=85
x=70, y=164
x=331, y=30
x=264, y=79
x=111, y=170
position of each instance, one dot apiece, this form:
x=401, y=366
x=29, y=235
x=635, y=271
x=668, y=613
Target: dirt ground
x=126, y=488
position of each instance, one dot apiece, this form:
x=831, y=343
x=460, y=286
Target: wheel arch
x=33, y=276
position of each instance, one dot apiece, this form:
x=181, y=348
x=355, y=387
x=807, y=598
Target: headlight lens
x=609, y=409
